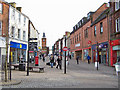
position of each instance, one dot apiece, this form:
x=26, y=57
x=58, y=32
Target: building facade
x=4, y=18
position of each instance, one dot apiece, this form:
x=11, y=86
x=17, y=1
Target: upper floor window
x=19, y=34
x=101, y=27
x=1, y=7
x=13, y=32
x=0, y=28
x=19, y=17
x=118, y=24
x=13, y=14
x=24, y=38
x=79, y=36
x=86, y=33
x=73, y=40
x=117, y=5
x=24, y=21
x=94, y=30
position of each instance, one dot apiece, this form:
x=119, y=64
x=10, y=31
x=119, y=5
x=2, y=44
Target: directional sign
x=65, y=49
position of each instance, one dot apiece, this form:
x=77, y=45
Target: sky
x=54, y=17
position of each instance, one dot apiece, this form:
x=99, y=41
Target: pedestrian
x=58, y=63
x=43, y=58
x=70, y=56
x=52, y=61
x=77, y=59
x=67, y=62
x=88, y=58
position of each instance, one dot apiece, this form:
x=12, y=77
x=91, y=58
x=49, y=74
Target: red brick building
x=88, y=31
x=4, y=18
x=114, y=26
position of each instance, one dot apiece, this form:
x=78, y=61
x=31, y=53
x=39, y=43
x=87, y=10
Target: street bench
x=41, y=69
x=15, y=66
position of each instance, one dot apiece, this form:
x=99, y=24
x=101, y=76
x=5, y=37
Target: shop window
x=118, y=24
x=1, y=7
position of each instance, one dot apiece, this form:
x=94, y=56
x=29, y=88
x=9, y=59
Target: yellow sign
x=20, y=46
x=11, y=57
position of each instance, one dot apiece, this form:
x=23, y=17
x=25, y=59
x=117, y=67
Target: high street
x=81, y=75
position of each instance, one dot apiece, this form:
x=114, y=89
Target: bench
x=15, y=66
x=41, y=69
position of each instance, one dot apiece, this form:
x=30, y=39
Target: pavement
x=82, y=75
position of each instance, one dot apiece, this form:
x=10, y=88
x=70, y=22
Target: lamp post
x=97, y=55
x=65, y=58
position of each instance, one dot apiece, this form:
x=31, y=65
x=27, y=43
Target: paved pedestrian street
x=82, y=75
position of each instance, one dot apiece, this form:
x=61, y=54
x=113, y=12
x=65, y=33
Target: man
x=88, y=58
x=77, y=59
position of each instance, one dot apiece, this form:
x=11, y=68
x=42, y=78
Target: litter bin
x=22, y=66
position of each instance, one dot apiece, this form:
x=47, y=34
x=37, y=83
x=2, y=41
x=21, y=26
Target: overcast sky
x=54, y=17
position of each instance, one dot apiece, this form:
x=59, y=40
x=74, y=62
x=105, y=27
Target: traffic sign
x=65, y=49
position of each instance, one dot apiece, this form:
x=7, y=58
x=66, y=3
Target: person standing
x=88, y=58
x=77, y=59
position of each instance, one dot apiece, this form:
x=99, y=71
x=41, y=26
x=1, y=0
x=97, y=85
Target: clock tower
x=44, y=41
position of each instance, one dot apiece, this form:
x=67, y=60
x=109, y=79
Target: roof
x=100, y=17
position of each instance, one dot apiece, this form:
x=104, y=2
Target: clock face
x=43, y=40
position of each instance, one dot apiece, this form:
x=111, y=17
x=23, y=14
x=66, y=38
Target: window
x=73, y=40
x=118, y=24
x=13, y=14
x=117, y=5
x=13, y=32
x=86, y=33
x=94, y=30
x=79, y=36
x=24, y=20
x=1, y=8
x=19, y=34
x=24, y=38
x=0, y=28
x=19, y=17
x=101, y=27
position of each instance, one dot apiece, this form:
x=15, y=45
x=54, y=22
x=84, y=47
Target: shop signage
x=116, y=47
x=77, y=45
x=18, y=45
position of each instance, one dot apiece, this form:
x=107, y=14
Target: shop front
x=102, y=53
x=115, y=51
x=18, y=52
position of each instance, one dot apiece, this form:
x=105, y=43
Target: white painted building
x=18, y=35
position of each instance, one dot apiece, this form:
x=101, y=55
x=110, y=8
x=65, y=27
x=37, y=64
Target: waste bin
x=22, y=66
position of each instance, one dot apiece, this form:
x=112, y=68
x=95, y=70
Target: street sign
x=65, y=49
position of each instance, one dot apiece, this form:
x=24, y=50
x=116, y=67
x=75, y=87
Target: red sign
x=65, y=49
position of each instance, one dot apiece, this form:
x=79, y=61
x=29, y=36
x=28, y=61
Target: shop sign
x=18, y=45
x=77, y=45
x=116, y=47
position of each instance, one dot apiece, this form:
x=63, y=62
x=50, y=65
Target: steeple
x=43, y=35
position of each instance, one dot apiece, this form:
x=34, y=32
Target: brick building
x=114, y=26
x=87, y=32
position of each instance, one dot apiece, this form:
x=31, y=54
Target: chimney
x=19, y=9
x=13, y=4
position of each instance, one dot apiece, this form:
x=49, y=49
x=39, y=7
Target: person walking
x=77, y=59
x=58, y=62
x=88, y=58
x=52, y=61
x=43, y=58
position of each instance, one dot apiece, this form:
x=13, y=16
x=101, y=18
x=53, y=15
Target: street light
x=65, y=58
x=97, y=55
